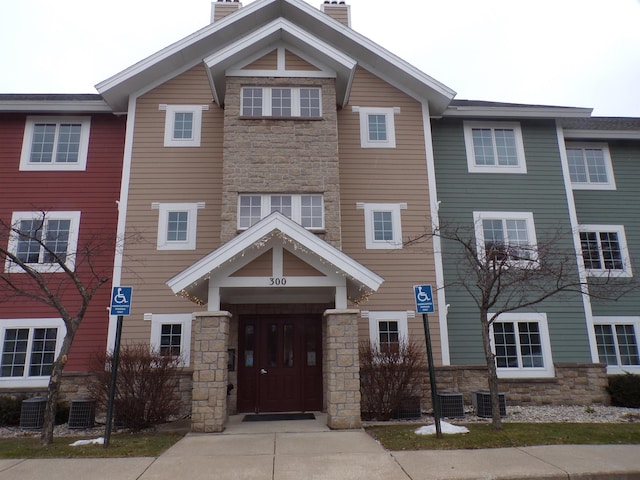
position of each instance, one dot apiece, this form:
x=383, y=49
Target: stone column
x=209, y=357
x=341, y=367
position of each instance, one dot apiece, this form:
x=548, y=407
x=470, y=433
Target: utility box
x=482, y=403
x=451, y=404
x=32, y=413
x=82, y=413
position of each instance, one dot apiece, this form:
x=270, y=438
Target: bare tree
x=503, y=278
x=64, y=281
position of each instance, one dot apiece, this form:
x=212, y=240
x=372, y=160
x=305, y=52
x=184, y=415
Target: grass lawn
x=120, y=445
x=482, y=435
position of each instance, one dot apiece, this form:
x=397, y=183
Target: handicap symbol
x=119, y=297
x=422, y=296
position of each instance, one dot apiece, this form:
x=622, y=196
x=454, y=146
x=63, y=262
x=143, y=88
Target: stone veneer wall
x=341, y=368
x=264, y=155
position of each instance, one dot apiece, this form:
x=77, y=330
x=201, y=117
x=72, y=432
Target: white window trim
x=267, y=101
x=30, y=323
x=72, y=245
x=548, y=371
x=479, y=217
x=611, y=181
x=471, y=156
x=369, y=209
x=83, y=150
x=635, y=321
x=184, y=319
x=622, y=239
x=384, y=316
x=163, y=224
x=389, y=114
x=296, y=207
x=169, y=122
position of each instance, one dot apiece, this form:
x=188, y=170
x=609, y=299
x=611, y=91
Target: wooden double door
x=279, y=363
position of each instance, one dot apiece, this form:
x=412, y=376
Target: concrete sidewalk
x=304, y=450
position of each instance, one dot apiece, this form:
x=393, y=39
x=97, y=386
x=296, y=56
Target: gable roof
x=360, y=280
x=295, y=22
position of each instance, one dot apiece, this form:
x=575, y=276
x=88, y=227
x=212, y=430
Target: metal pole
x=432, y=377
x=112, y=386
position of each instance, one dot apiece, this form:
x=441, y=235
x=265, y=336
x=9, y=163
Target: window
x=387, y=329
x=377, y=127
x=506, y=237
x=40, y=239
x=177, y=225
x=183, y=125
x=521, y=345
x=382, y=225
x=494, y=147
x=590, y=166
x=282, y=102
x=55, y=143
x=306, y=210
x=29, y=348
x=604, y=250
x=171, y=335
x=617, y=342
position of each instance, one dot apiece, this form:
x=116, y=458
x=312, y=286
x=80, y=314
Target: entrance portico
x=277, y=298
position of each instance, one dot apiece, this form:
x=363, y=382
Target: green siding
x=541, y=191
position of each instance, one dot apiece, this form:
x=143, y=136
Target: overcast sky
x=580, y=53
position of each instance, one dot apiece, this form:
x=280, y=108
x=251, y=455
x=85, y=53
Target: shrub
x=387, y=378
x=624, y=390
x=146, y=388
x=10, y=407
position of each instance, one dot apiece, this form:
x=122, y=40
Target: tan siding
x=294, y=62
x=260, y=267
x=398, y=175
x=170, y=174
x=268, y=62
x=295, y=267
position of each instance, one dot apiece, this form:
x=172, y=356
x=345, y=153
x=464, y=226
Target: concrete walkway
x=308, y=450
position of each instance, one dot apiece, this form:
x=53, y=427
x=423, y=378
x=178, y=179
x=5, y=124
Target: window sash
x=171, y=339
x=604, y=250
x=617, y=344
x=40, y=240
x=281, y=102
x=28, y=352
x=55, y=142
x=518, y=345
x=183, y=126
x=304, y=209
x=495, y=146
x=177, y=226
x=507, y=239
x=587, y=165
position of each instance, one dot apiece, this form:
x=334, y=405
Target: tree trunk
x=492, y=373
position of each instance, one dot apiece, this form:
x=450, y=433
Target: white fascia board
x=602, y=134
x=274, y=222
x=80, y=106
x=517, y=112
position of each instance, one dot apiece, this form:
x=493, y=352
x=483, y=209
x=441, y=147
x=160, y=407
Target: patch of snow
x=95, y=441
x=444, y=427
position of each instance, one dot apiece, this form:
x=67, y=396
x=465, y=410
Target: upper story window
x=377, y=127
x=177, y=225
x=590, y=166
x=183, y=125
x=604, y=250
x=41, y=240
x=383, y=229
x=617, y=341
x=305, y=209
x=281, y=102
x=506, y=237
x=55, y=143
x=494, y=147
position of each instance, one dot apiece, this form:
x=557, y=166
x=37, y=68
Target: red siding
x=93, y=192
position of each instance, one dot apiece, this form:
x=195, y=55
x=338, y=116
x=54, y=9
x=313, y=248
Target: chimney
x=338, y=10
x=222, y=8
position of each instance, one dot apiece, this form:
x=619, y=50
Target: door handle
x=263, y=371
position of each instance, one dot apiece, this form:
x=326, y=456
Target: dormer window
x=281, y=102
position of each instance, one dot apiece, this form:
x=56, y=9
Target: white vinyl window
x=177, y=225
x=183, y=125
x=521, y=344
x=55, y=143
x=383, y=229
x=387, y=329
x=617, y=341
x=494, y=147
x=604, y=250
x=171, y=335
x=506, y=237
x=41, y=239
x=377, y=127
x=29, y=348
x=590, y=166
x=304, y=209
x=281, y=102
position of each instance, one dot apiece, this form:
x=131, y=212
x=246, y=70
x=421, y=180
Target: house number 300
x=277, y=281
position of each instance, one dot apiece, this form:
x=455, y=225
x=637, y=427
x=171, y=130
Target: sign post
x=424, y=305
x=120, y=306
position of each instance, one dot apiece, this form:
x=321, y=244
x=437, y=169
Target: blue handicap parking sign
x=121, y=300
x=424, y=298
